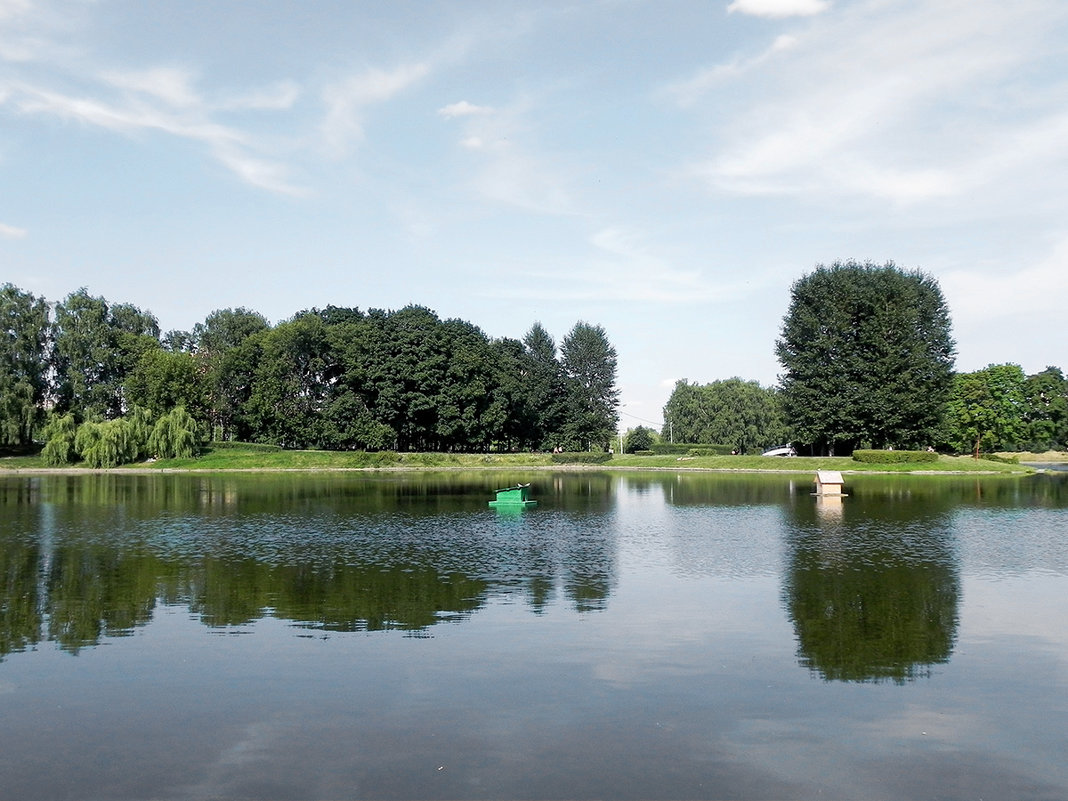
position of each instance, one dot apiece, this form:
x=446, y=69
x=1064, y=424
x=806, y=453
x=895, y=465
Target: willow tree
x=868, y=357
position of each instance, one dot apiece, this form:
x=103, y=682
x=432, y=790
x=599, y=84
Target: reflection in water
x=872, y=590
x=91, y=556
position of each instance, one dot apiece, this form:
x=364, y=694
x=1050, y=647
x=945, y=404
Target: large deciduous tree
x=23, y=364
x=986, y=409
x=1047, y=410
x=228, y=345
x=733, y=412
x=589, y=363
x=97, y=345
x=868, y=357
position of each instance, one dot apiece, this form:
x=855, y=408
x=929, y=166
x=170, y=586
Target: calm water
x=634, y=636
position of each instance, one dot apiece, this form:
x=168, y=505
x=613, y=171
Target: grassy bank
x=238, y=457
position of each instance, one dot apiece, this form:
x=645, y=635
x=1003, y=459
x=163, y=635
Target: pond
x=634, y=636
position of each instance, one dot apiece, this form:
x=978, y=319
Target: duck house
x=829, y=482
x=513, y=497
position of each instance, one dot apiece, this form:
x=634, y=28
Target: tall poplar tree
x=589, y=362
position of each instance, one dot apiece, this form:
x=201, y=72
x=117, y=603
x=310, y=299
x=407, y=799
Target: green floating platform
x=517, y=497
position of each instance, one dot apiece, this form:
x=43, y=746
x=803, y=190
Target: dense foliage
x=998, y=408
x=868, y=357
x=894, y=457
x=742, y=415
x=334, y=378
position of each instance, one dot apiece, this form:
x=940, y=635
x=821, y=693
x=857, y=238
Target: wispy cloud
x=161, y=99
x=508, y=167
x=689, y=91
x=346, y=101
x=181, y=114
x=898, y=104
x=462, y=109
x=777, y=9
x=11, y=232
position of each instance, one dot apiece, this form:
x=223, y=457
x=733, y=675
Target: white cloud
x=169, y=84
x=777, y=9
x=462, y=109
x=232, y=147
x=688, y=92
x=345, y=102
x=11, y=232
x=906, y=104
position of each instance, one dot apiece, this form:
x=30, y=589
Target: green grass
x=234, y=456
x=809, y=464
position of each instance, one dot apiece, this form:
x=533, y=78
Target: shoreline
x=562, y=468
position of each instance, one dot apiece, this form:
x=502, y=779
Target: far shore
x=408, y=463
x=233, y=457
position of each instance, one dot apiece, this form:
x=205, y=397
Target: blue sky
x=664, y=169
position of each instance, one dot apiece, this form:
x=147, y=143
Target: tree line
x=93, y=377
x=868, y=360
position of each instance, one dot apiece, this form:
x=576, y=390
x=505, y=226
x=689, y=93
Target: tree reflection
x=873, y=592
x=92, y=557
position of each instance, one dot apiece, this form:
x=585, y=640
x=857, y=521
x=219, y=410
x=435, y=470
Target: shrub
x=689, y=448
x=893, y=457
x=259, y=447
x=993, y=457
x=581, y=457
x=710, y=450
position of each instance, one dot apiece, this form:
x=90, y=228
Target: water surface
x=641, y=635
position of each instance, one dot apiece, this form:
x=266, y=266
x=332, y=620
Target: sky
x=666, y=169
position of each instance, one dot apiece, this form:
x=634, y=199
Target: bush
x=689, y=449
x=710, y=450
x=993, y=457
x=259, y=447
x=893, y=457
x=581, y=457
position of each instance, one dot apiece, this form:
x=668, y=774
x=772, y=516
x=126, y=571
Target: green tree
x=639, y=439
x=986, y=406
x=1046, y=410
x=406, y=371
x=589, y=363
x=868, y=357
x=23, y=364
x=545, y=388
x=731, y=412
x=290, y=384
x=228, y=347
x=97, y=346
x=349, y=422
x=164, y=379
